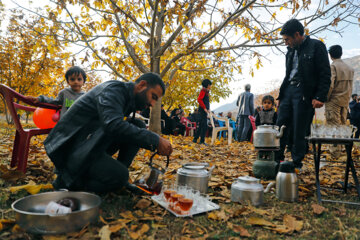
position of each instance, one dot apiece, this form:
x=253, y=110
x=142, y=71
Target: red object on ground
x=252, y=121
x=23, y=136
x=43, y=118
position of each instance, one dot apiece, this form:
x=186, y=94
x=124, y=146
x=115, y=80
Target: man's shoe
x=194, y=140
x=203, y=143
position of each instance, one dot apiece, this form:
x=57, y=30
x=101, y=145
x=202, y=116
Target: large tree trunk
x=155, y=113
x=155, y=117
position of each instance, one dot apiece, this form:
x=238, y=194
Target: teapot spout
x=281, y=133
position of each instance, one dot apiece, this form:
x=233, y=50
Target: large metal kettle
x=268, y=136
x=194, y=175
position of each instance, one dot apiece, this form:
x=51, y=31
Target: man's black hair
x=205, y=83
x=335, y=51
x=77, y=70
x=354, y=95
x=291, y=27
x=152, y=80
x=268, y=97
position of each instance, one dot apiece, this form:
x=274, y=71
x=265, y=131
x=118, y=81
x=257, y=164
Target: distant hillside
x=355, y=63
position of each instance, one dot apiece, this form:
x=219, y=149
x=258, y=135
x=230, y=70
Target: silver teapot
x=194, y=175
x=246, y=189
x=268, y=136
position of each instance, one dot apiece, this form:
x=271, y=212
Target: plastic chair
x=22, y=137
x=215, y=130
x=222, y=124
x=190, y=127
x=146, y=120
x=223, y=132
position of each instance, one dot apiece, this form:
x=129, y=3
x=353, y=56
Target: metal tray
x=210, y=206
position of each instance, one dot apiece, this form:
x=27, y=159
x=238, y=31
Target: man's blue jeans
x=243, y=127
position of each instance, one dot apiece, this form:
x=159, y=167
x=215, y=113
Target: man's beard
x=141, y=101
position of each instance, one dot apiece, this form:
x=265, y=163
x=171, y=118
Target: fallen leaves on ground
x=31, y=187
x=318, y=209
x=139, y=217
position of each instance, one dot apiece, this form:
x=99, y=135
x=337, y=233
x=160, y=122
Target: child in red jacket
x=204, y=108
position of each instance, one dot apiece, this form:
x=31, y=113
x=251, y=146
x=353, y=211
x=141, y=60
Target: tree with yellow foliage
x=30, y=63
x=182, y=40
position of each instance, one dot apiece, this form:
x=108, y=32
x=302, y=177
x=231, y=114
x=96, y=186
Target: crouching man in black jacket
x=304, y=88
x=98, y=125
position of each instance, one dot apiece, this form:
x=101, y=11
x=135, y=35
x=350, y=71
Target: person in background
x=304, y=88
x=75, y=78
x=339, y=93
x=354, y=106
x=245, y=103
x=267, y=115
x=204, y=108
x=342, y=76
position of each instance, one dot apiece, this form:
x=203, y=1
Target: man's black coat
x=313, y=70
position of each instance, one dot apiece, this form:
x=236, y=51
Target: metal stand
x=348, y=142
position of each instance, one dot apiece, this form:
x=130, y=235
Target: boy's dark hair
x=354, y=95
x=77, y=70
x=205, y=83
x=335, y=51
x=291, y=27
x=268, y=97
x=152, y=79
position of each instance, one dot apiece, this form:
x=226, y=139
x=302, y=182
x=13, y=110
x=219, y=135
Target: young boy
x=267, y=115
x=204, y=102
x=75, y=77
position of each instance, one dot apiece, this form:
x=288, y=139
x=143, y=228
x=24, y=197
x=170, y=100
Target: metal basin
x=31, y=216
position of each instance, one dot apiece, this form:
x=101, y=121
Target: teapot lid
x=248, y=179
x=266, y=126
x=194, y=169
x=287, y=167
x=195, y=166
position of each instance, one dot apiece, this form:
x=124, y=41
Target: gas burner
x=267, y=148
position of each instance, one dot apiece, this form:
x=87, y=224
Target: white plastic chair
x=215, y=130
x=146, y=120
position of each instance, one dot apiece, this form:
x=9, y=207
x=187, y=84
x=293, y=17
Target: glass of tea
x=185, y=205
x=174, y=198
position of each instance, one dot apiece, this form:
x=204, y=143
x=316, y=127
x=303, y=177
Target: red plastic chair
x=23, y=136
x=190, y=127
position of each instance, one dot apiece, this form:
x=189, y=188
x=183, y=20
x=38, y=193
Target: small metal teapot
x=153, y=182
x=194, y=175
x=268, y=136
x=246, y=189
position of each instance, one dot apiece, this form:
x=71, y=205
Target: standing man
x=340, y=90
x=339, y=94
x=246, y=107
x=304, y=87
x=98, y=125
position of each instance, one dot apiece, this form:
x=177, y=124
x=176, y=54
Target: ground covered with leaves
x=126, y=216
